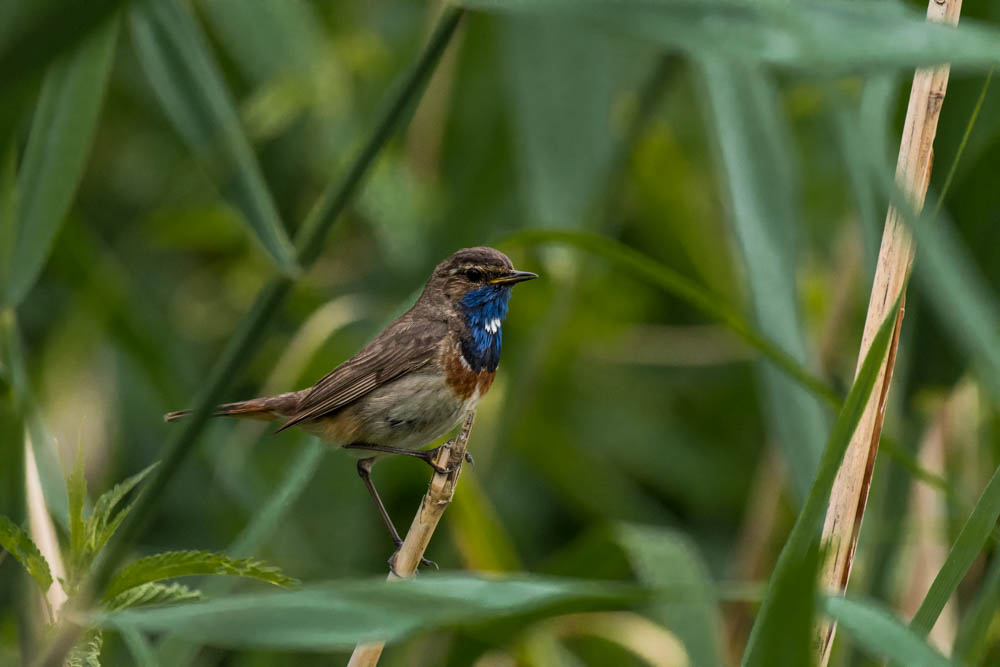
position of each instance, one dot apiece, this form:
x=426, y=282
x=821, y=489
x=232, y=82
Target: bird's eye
x=474, y=275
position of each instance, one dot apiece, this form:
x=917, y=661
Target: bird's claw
x=426, y=562
x=471, y=461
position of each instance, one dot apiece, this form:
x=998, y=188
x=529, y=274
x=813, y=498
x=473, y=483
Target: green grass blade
x=970, y=541
x=667, y=561
x=973, y=637
x=322, y=617
x=713, y=305
x=881, y=634
x=745, y=114
x=819, y=35
x=15, y=541
x=178, y=62
x=76, y=492
x=191, y=563
x=805, y=534
x=61, y=134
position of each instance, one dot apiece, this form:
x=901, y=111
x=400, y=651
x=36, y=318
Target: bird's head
x=476, y=277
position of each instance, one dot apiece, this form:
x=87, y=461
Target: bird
x=412, y=383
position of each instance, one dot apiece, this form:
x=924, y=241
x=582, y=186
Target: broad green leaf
x=749, y=132
x=564, y=85
x=61, y=133
x=881, y=634
x=668, y=562
x=101, y=526
x=970, y=542
x=18, y=544
x=180, y=67
x=794, y=608
x=190, y=563
x=713, y=305
x=811, y=35
x=152, y=593
x=322, y=617
x=76, y=492
x=805, y=534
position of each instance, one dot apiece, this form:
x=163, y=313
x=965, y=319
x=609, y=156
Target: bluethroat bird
x=416, y=380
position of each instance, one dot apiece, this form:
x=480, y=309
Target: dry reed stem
x=850, y=490
x=432, y=507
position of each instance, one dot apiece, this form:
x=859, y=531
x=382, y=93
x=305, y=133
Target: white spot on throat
x=493, y=325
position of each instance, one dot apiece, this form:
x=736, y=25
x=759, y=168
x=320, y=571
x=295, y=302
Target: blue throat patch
x=485, y=310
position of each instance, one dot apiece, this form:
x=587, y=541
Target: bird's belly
x=408, y=413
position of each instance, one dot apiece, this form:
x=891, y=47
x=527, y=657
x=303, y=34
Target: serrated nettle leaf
x=61, y=133
x=326, y=616
x=881, y=634
x=817, y=35
x=805, y=533
x=101, y=526
x=152, y=593
x=191, y=563
x=87, y=651
x=180, y=67
x=18, y=544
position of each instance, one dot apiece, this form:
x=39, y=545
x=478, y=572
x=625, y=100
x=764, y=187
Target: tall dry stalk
x=913, y=167
x=432, y=507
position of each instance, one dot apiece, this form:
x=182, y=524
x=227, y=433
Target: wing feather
x=402, y=347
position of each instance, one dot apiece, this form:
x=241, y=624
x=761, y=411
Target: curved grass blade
x=806, y=532
x=177, y=60
x=881, y=634
x=742, y=104
x=818, y=35
x=970, y=541
x=668, y=562
x=648, y=269
x=339, y=615
x=15, y=541
x=61, y=133
x=973, y=637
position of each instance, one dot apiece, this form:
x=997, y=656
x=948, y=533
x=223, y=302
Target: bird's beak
x=514, y=277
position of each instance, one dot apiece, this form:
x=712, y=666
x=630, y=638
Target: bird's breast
x=467, y=383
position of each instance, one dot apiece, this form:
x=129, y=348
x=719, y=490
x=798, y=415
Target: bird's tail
x=268, y=408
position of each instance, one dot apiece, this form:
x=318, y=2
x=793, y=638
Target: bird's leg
x=425, y=455
x=365, y=473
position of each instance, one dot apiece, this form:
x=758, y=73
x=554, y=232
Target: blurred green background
x=617, y=402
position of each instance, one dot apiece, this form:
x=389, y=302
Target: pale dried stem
x=850, y=490
x=432, y=507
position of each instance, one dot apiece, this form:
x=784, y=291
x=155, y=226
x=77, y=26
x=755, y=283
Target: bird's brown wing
x=404, y=346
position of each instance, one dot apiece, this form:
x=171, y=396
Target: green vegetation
x=208, y=200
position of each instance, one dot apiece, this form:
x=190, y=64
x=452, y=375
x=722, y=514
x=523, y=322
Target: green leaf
x=713, y=305
x=87, y=652
x=18, y=544
x=76, y=492
x=817, y=35
x=101, y=526
x=178, y=62
x=8, y=211
x=881, y=634
x=794, y=610
x=805, y=534
x=973, y=638
x=152, y=593
x=969, y=543
x=564, y=83
x=668, y=562
x=338, y=615
x=191, y=563
x=747, y=124
x=61, y=134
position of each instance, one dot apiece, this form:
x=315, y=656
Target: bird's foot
x=426, y=562
x=471, y=461
x=431, y=454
